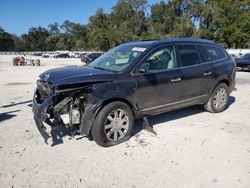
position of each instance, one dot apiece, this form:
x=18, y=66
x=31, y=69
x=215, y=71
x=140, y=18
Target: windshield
x=118, y=59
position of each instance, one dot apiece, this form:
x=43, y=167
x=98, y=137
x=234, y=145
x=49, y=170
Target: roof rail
x=188, y=39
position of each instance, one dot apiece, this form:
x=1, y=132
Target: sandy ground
x=193, y=148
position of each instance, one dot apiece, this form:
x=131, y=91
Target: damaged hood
x=76, y=74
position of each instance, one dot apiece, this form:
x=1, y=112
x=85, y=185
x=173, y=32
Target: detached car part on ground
x=134, y=80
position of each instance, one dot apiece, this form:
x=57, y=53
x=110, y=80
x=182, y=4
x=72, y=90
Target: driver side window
x=160, y=60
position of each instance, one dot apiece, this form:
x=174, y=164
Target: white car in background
x=72, y=54
x=49, y=54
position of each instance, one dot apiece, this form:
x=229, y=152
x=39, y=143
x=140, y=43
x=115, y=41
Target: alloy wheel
x=116, y=125
x=220, y=98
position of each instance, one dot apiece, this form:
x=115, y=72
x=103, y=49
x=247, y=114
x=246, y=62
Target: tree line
x=224, y=21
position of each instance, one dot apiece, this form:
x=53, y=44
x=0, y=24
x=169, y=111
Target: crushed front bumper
x=47, y=110
x=40, y=114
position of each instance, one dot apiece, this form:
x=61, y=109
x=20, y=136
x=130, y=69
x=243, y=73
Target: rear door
x=197, y=72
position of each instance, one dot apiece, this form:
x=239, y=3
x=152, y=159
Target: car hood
x=242, y=61
x=76, y=75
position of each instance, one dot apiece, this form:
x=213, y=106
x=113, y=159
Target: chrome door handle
x=207, y=73
x=175, y=79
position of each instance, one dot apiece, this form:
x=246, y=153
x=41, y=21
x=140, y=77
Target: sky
x=17, y=16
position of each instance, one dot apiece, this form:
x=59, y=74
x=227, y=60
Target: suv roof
x=154, y=42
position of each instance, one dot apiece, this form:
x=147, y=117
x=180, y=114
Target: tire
x=108, y=130
x=218, y=101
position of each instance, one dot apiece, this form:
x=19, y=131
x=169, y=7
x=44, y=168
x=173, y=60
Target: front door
x=158, y=80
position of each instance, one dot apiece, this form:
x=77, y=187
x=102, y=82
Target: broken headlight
x=44, y=87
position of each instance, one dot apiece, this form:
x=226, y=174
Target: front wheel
x=218, y=101
x=113, y=124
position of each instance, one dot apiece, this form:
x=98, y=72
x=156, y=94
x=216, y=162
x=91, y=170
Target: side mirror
x=144, y=68
x=141, y=70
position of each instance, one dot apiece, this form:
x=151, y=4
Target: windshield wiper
x=100, y=68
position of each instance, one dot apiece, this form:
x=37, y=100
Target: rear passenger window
x=187, y=55
x=213, y=53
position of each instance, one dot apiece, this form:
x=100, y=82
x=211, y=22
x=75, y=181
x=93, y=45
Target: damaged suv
x=131, y=81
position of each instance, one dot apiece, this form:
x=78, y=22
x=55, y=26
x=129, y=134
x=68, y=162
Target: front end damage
x=65, y=106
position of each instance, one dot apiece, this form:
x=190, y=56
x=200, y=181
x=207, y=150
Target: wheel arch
x=222, y=80
x=106, y=102
x=225, y=81
x=117, y=99
x=208, y=105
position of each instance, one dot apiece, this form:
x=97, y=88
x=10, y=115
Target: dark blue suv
x=134, y=80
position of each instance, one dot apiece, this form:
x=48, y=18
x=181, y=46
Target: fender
x=104, y=93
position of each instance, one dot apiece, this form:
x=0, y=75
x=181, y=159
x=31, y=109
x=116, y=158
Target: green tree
x=171, y=19
x=52, y=41
x=224, y=22
x=129, y=16
x=66, y=38
x=80, y=37
x=98, y=35
x=6, y=41
x=35, y=39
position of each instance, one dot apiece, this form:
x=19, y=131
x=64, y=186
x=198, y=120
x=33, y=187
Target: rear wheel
x=218, y=101
x=113, y=124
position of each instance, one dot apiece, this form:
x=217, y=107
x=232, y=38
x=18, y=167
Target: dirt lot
x=193, y=148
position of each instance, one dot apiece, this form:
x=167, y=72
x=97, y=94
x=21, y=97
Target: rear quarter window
x=213, y=53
